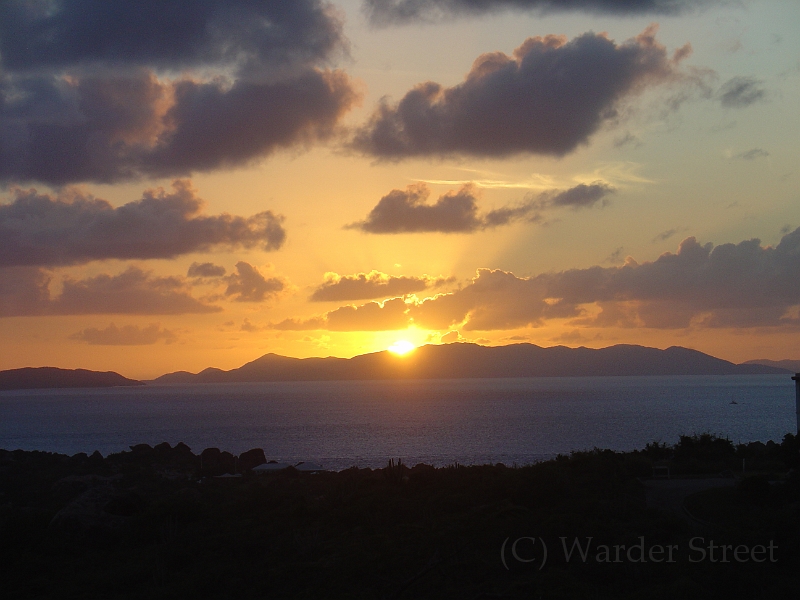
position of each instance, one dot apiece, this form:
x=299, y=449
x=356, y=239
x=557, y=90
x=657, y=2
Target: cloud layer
x=740, y=285
x=373, y=316
x=407, y=211
x=99, y=91
x=547, y=98
x=24, y=291
x=127, y=335
x=366, y=286
x=387, y=12
x=38, y=229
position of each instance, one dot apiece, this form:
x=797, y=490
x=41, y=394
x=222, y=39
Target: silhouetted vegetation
x=159, y=523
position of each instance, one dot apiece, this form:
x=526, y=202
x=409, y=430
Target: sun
x=401, y=347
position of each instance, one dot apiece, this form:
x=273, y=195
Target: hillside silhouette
x=51, y=377
x=462, y=360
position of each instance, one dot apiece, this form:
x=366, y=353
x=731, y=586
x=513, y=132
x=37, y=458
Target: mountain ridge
x=465, y=360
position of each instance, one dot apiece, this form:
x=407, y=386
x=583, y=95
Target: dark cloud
x=127, y=335
x=387, y=12
x=104, y=91
x=730, y=285
x=547, y=98
x=116, y=127
x=167, y=35
x=24, y=291
x=366, y=286
x=406, y=211
x=37, y=229
x=249, y=285
x=205, y=269
x=740, y=92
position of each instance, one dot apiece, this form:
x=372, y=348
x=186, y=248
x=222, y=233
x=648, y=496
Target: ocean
x=443, y=421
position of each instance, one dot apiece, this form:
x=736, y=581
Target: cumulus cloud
x=38, y=229
x=740, y=285
x=407, y=211
x=548, y=98
x=366, y=286
x=730, y=285
x=127, y=335
x=25, y=291
x=388, y=12
x=372, y=316
x=249, y=285
x=740, y=92
x=205, y=269
x=99, y=91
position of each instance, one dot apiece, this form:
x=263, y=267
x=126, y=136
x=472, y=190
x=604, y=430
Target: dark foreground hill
x=457, y=361
x=143, y=524
x=51, y=377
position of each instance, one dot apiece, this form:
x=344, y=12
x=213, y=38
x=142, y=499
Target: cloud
x=730, y=285
x=249, y=285
x=98, y=91
x=178, y=34
x=406, y=211
x=752, y=154
x=205, y=269
x=372, y=316
x=127, y=335
x=740, y=92
x=24, y=291
x=403, y=211
x=571, y=337
x=73, y=228
x=665, y=235
x=389, y=12
x=548, y=98
x=451, y=337
x=366, y=286
x=740, y=285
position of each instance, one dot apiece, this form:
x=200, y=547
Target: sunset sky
x=194, y=183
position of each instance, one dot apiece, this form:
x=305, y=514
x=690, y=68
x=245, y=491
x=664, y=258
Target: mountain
x=458, y=361
x=51, y=377
x=789, y=365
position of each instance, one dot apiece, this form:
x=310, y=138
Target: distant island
x=445, y=361
x=793, y=366
x=51, y=377
x=462, y=360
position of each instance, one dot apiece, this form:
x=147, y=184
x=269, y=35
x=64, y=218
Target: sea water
x=441, y=421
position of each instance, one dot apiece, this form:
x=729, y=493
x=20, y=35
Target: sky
x=197, y=183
